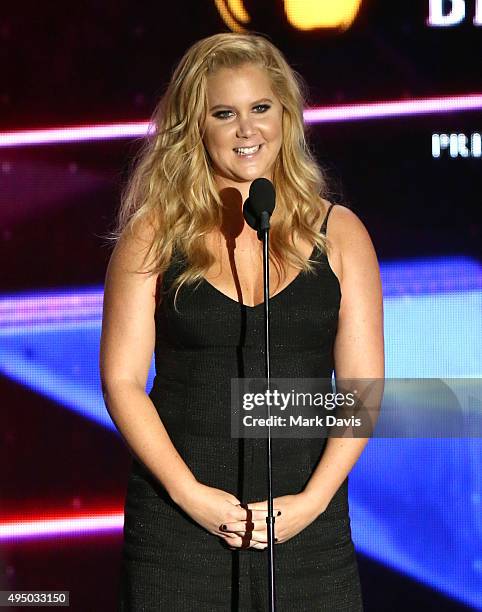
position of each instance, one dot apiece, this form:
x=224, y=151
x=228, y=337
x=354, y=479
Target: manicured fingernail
x=276, y=539
x=279, y=513
x=223, y=527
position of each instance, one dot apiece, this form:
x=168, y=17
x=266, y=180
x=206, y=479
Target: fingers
x=246, y=527
x=249, y=525
x=246, y=533
x=256, y=530
x=245, y=513
x=248, y=537
x=234, y=542
x=259, y=545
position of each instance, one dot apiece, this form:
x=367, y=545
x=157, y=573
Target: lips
x=247, y=151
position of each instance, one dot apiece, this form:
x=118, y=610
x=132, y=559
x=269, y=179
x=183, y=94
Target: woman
x=185, y=279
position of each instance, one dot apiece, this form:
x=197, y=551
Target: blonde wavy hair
x=171, y=183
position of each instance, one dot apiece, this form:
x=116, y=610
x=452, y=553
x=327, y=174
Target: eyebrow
x=252, y=104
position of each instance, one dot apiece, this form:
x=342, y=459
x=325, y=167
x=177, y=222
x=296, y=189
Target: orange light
x=314, y=14
x=301, y=14
x=233, y=13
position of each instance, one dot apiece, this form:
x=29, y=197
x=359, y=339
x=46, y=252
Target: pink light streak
x=348, y=112
x=54, y=527
x=74, y=134
x=381, y=110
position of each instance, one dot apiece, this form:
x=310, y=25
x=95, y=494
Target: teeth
x=247, y=151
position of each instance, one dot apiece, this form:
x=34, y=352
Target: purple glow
x=348, y=112
x=47, y=308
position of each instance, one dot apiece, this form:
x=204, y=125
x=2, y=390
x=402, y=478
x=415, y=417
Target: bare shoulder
x=128, y=281
x=128, y=329
x=133, y=244
x=352, y=246
x=345, y=227
x=359, y=345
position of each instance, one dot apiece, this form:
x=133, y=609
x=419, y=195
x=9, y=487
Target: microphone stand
x=263, y=234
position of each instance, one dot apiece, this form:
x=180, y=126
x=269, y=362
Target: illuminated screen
x=394, y=118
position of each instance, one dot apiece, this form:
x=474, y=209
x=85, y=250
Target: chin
x=254, y=173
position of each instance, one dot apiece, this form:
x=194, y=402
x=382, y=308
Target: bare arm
x=359, y=350
x=127, y=345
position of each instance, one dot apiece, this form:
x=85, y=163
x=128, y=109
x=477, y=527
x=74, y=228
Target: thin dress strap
x=325, y=222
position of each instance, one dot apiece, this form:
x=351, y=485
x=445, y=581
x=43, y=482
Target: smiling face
x=243, y=129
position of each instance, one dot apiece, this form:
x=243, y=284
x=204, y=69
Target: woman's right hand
x=211, y=508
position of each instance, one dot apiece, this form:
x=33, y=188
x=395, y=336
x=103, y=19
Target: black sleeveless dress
x=169, y=562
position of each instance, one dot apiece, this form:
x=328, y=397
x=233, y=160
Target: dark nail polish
x=279, y=513
x=276, y=539
x=223, y=527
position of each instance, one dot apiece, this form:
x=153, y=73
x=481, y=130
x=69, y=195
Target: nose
x=246, y=127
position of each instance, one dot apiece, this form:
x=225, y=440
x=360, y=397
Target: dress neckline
x=272, y=297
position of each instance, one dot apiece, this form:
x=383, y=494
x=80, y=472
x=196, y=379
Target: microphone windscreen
x=250, y=218
x=262, y=196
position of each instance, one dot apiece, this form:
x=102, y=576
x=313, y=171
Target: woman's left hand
x=297, y=512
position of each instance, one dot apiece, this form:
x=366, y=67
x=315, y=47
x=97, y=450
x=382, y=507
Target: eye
x=223, y=114
x=226, y=114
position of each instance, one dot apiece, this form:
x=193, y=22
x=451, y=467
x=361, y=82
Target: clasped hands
x=249, y=528
x=244, y=525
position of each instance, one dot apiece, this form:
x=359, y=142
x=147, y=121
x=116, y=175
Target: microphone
x=257, y=211
x=259, y=206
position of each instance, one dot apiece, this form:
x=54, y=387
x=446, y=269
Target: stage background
x=411, y=172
